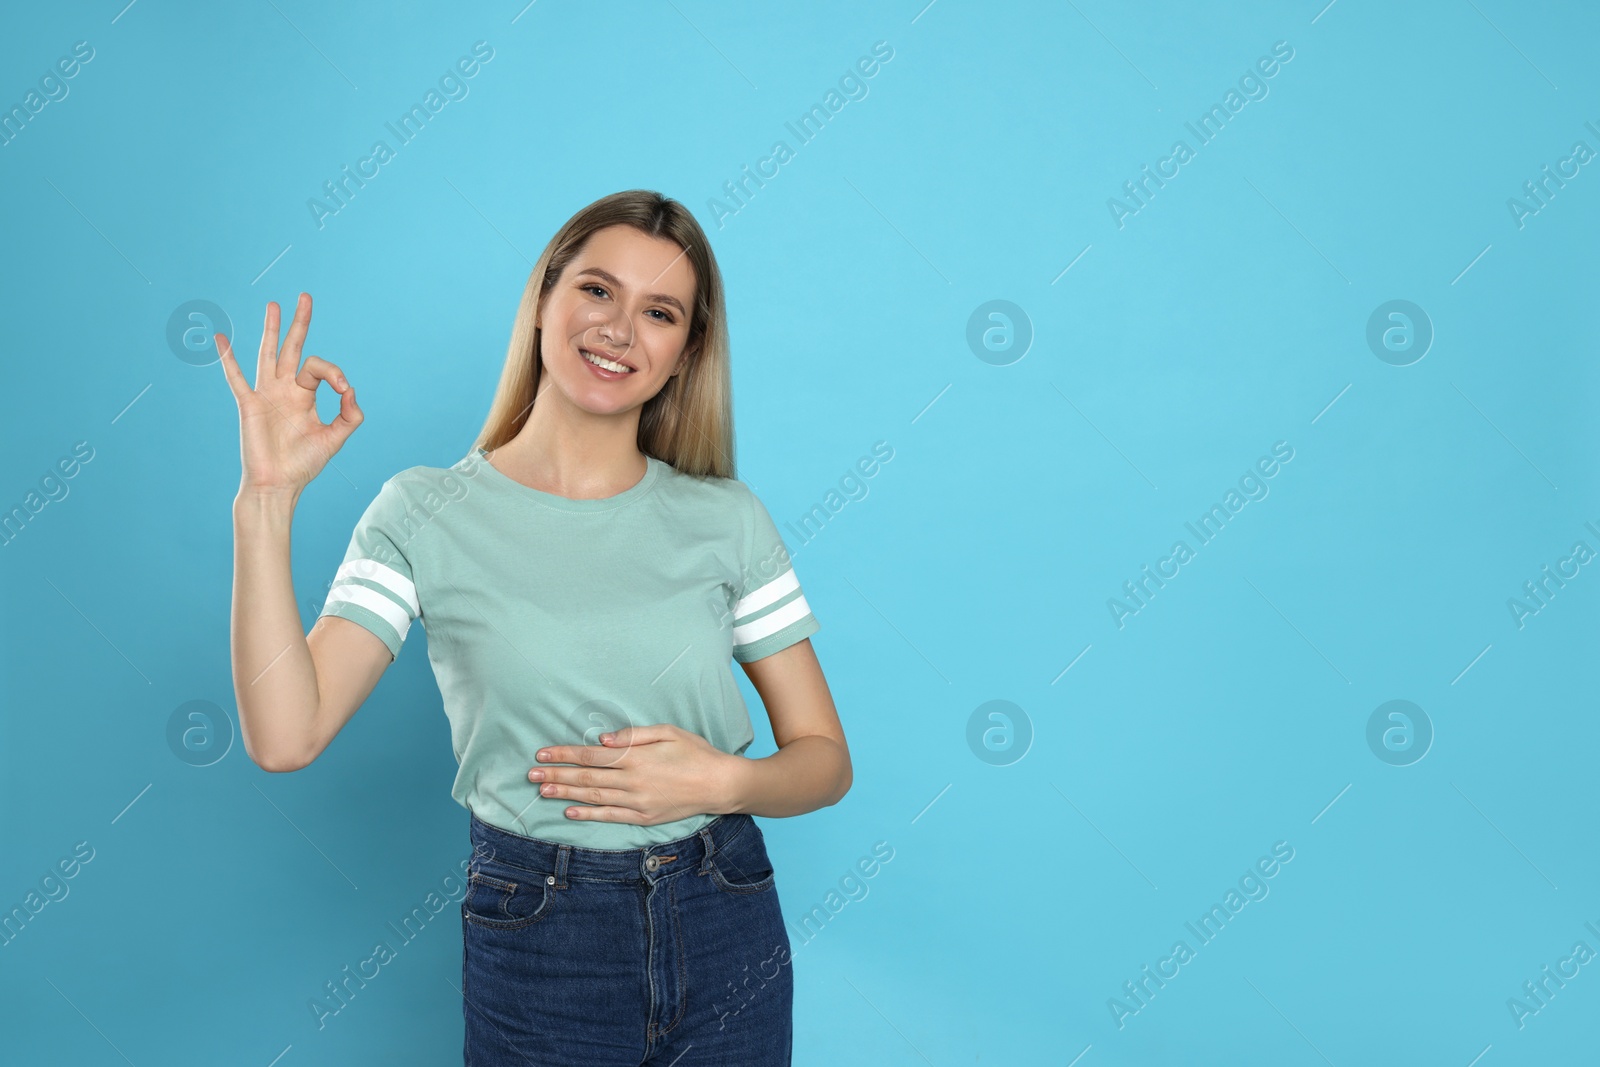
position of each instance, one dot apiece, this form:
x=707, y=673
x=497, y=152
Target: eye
x=591, y=287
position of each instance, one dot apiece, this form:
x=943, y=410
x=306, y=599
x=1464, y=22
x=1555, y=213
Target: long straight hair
x=689, y=423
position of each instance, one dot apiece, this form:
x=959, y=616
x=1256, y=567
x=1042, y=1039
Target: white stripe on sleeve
x=769, y=624
x=771, y=593
x=373, y=601
x=386, y=576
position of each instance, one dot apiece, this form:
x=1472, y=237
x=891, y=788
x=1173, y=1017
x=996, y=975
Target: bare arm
x=811, y=768
x=294, y=691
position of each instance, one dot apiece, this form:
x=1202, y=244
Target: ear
x=684, y=360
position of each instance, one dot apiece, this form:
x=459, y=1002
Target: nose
x=614, y=324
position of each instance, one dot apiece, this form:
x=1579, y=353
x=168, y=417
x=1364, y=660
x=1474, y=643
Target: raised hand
x=282, y=442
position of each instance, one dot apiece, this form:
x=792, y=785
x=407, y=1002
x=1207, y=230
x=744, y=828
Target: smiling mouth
x=605, y=364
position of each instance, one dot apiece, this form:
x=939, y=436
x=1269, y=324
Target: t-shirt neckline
x=552, y=500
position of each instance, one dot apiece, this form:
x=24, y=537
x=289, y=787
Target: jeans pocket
x=742, y=865
x=508, y=899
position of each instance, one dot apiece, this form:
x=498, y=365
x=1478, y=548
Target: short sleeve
x=771, y=613
x=374, y=586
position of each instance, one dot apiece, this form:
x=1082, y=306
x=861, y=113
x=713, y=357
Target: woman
x=585, y=575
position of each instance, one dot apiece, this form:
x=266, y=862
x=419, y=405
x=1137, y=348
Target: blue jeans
x=672, y=954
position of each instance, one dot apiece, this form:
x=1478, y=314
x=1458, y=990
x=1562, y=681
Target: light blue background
x=1229, y=313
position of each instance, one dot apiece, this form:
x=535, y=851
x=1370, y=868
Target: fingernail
x=544, y=754
x=535, y=776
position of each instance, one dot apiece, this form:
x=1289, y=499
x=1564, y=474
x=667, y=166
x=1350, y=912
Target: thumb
x=349, y=417
x=636, y=735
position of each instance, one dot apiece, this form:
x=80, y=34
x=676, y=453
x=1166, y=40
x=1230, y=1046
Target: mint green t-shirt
x=551, y=621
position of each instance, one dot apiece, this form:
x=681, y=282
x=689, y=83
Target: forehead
x=639, y=262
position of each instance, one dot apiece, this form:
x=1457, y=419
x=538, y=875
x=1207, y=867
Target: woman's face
x=626, y=298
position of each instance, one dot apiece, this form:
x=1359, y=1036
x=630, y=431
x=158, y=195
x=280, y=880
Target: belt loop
x=709, y=848
x=562, y=852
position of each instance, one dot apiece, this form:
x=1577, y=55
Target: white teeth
x=606, y=364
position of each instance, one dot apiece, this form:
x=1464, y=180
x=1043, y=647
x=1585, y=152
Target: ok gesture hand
x=282, y=442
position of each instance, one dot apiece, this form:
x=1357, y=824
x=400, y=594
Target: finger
x=563, y=754
x=586, y=794
x=230, y=368
x=289, y=358
x=606, y=814
x=267, y=357
x=319, y=369
x=636, y=735
x=577, y=777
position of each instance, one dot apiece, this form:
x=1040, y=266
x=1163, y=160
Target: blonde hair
x=689, y=423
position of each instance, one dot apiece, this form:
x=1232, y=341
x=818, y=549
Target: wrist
x=268, y=504
x=733, y=784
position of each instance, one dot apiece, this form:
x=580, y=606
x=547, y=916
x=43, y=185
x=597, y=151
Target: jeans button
x=652, y=863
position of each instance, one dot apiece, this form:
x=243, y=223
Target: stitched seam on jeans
x=650, y=1031
x=466, y=1040
x=627, y=879
x=683, y=978
x=507, y=891
x=548, y=906
x=721, y=880
x=754, y=887
x=491, y=880
x=497, y=861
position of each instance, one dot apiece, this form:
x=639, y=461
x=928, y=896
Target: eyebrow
x=660, y=298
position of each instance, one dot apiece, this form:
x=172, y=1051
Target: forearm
x=274, y=679
x=808, y=773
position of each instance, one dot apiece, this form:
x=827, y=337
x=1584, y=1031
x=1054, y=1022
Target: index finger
x=565, y=754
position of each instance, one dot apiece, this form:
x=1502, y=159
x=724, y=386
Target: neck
x=574, y=454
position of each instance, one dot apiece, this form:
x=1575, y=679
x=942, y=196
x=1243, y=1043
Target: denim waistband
x=564, y=862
